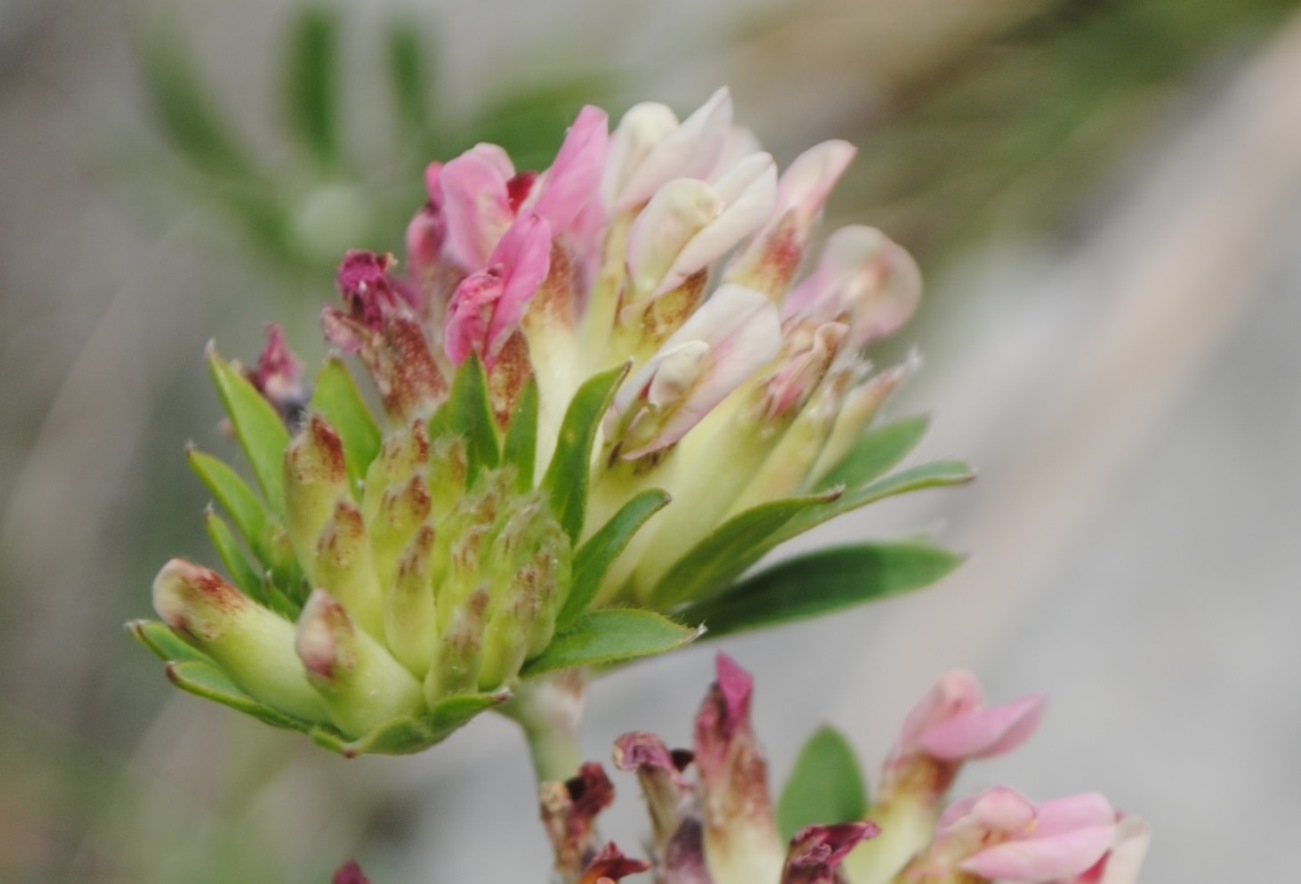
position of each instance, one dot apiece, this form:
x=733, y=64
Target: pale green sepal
x=822, y=582
x=569, y=473
x=237, y=499
x=404, y=736
x=257, y=425
x=876, y=453
x=207, y=681
x=337, y=399
x=467, y=413
x=826, y=786
x=520, y=448
x=167, y=645
x=610, y=636
x=244, y=575
x=598, y=552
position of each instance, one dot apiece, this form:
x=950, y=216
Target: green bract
x=459, y=575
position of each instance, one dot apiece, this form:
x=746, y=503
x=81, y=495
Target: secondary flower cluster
x=722, y=828
x=563, y=354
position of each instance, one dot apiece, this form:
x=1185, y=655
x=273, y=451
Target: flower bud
x=253, y=645
x=316, y=482
x=345, y=567
x=740, y=837
x=363, y=686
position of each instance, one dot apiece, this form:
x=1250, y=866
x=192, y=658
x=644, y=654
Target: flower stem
x=549, y=710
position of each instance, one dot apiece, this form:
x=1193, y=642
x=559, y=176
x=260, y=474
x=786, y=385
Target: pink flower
x=952, y=724
x=720, y=346
x=862, y=279
x=772, y=257
x=650, y=148
x=1001, y=835
x=488, y=304
x=482, y=195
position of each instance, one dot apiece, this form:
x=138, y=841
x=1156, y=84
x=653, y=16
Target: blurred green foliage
x=1007, y=133
x=301, y=215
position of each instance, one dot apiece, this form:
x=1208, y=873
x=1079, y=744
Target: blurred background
x=1106, y=200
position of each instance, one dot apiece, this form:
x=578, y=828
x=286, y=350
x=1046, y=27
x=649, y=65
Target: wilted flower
x=564, y=354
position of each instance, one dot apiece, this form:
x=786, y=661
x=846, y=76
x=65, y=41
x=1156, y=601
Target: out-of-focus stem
x=549, y=711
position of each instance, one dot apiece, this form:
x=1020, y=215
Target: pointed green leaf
x=595, y=556
x=467, y=413
x=727, y=551
x=453, y=712
x=244, y=575
x=822, y=582
x=185, y=110
x=258, y=427
x=261, y=588
x=207, y=681
x=876, y=453
x=409, y=77
x=312, y=93
x=521, y=446
x=825, y=788
x=337, y=399
x=167, y=645
x=937, y=474
x=569, y=472
x=236, y=498
x=610, y=636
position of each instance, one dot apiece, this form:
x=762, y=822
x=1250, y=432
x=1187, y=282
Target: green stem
x=549, y=710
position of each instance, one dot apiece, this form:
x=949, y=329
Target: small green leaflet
x=820, y=583
x=825, y=787
x=610, y=636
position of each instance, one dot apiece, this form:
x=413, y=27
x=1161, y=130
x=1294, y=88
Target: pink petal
x=743, y=334
x=1074, y=812
x=572, y=180
x=954, y=692
x=808, y=181
x=1042, y=859
x=747, y=193
x=470, y=313
x=643, y=127
x=984, y=733
x=679, y=211
x=525, y=253
x=689, y=151
x=1121, y=865
x=476, y=202
x=488, y=304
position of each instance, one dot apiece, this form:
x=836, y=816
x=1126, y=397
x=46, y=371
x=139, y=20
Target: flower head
x=564, y=354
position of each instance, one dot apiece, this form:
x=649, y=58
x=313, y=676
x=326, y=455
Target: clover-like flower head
x=605, y=390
